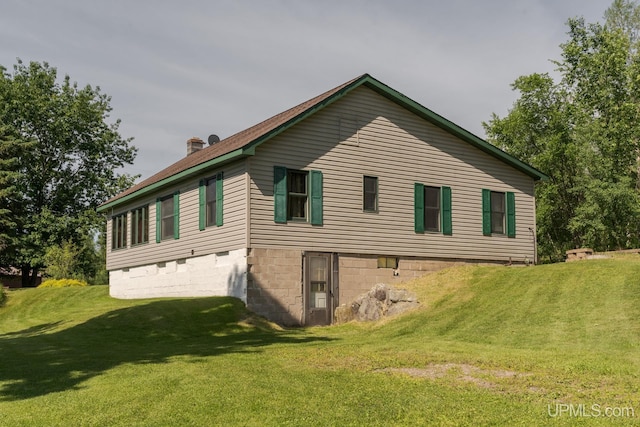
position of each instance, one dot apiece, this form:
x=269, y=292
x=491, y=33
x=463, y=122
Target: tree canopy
x=583, y=131
x=9, y=149
x=69, y=165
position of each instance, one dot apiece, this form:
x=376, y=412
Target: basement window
x=387, y=262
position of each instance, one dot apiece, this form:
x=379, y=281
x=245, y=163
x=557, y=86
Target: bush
x=3, y=295
x=61, y=260
x=62, y=283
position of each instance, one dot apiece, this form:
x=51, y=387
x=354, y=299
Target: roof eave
x=249, y=148
x=452, y=128
x=187, y=173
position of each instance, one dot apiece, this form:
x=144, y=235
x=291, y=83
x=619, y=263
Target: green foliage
x=70, y=166
x=86, y=262
x=3, y=295
x=10, y=148
x=101, y=275
x=61, y=261
x=62, y=283
x=584, y=133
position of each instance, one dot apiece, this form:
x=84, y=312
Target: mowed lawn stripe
x=489, y=345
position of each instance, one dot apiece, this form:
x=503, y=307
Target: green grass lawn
x=545, y=345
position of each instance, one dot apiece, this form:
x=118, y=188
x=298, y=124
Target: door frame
x=332, y=289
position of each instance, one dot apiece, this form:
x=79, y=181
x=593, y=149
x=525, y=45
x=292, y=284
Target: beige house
x=312, y=207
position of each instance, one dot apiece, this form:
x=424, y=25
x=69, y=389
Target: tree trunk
x=25, y=275
x=29, y=276
x=33, y=280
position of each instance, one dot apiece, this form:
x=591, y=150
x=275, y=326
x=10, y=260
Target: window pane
x=297, y=195
x=497, y=202
x=497, y=222
x=211, y=202
x=167, y=227
x=370, y=184
x=140, y=226
x=370, y=194
x=167, y=207
x=497, y=212
x=113, y=233
x=432, y=219
x=167, y=218
x=369, y=202
x=297, y=207
x=387, y=262
x=432, y=197
x=318, y=269
x=211, y=189
x=211, y=213
x=318, y=275
x=119, y=232
x=145, y=225
x=135, y=227
x=140, y=231
x=297, y=182
x=135, y=231
x=432, y=208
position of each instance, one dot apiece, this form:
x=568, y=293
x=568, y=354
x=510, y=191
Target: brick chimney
x=194, y=144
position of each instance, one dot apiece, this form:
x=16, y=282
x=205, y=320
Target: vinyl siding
x=388, y=142
x=230, y=236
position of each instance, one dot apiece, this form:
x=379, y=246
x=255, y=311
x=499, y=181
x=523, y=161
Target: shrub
x=3, y=295
x=62, y=283
x=61, y=260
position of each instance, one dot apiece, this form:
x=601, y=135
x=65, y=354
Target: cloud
x=176, y=70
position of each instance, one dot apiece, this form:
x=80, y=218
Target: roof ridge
x=242, y=143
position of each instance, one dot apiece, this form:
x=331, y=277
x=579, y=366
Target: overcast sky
x=177, y=69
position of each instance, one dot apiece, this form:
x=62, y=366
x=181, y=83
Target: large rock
x=381, y=300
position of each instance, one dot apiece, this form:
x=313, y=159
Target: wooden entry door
x=318, y=288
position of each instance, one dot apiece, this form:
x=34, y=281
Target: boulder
x=380, y=301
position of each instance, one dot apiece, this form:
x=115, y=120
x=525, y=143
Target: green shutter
x=316, y=197
x=511, y=214
x=486, y=212
x=418, y=207
x=202, y=205
x=158, y=221
x=219, y=199
x=176, y=215
x=447, y=227
x=280, y=194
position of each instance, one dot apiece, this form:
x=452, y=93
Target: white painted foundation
x=222, y=274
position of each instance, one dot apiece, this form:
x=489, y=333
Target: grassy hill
x=545, y=345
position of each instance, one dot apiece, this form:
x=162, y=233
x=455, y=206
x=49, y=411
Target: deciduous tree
x=584, y=132
x=72, y=165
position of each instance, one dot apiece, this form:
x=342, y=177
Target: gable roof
x=243, y=143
